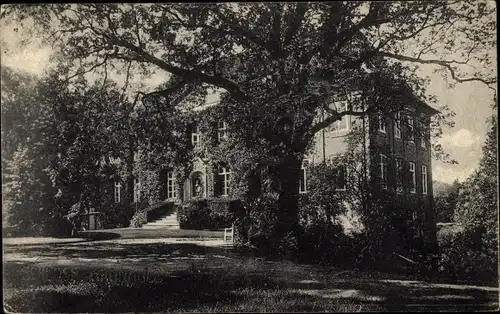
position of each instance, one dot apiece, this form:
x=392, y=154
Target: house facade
x=395, y=148
x=395, y=151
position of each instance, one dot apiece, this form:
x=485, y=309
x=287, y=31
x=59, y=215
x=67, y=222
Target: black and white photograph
x=228, y=157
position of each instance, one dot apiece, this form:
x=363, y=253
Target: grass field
x=126, y=275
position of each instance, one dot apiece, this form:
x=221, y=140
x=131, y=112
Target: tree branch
x=219, y=81
x=95, y=66
x=443, y=63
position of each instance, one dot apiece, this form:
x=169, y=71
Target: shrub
x=117, y=216
x=256, y=228
x=462, y=256
x=208, y=213
x=138, y=219
x=322, y=242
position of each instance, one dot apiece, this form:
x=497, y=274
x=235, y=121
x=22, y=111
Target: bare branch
x=95, y=66
x=444, y=63
x=335, y=116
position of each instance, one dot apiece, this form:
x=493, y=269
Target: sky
x=470, y=101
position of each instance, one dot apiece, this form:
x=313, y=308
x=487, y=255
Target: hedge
x=209, y=214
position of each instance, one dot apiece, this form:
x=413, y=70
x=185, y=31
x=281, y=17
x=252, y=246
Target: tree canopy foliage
x=278, y=64
x=477, y=205
x=56, y=144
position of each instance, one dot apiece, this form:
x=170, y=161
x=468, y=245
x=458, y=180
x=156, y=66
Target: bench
x=229, y=233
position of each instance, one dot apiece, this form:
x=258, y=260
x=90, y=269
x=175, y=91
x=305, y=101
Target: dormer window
x=195, y=137
x=222, y=130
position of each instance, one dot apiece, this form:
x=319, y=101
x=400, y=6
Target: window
x=340, y=178
x=344, y=123
x=383, y=171
x=171, y=191
x=382, y=124
x=222, y=130
x=399, y=175
x=118, y=188
x=424, y=179
x=397, y=125
x=423, y=135
x=224, y=176
x=413, y=182
x=195, y=137
x=303, y=178
x=137, y=190
x=411, y=135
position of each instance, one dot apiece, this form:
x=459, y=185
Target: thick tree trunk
x=289, y=172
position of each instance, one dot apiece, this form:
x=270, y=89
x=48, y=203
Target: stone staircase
x=169, y=221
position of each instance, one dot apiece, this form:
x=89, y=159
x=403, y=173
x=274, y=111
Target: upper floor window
x=195, y=137
x=424, y=179
x=397, y=125
x=118, y=195
x=137, y=190
x=171, y=191
x=383, y=171
x=222, y=130
x=399, y=175
x=344, y=123
x=413, y=179
x=340, y=178
x=423, y=135
x=382, y=124
x=303, y=178
x=224, y=177
x=411, y=129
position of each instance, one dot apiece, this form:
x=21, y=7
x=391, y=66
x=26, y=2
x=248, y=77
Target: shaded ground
x=124, y=275
x=38, y=240
x=139, y=233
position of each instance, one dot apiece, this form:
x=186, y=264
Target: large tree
x=54, y=142
x=280, y=64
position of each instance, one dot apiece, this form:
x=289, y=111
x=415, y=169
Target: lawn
x=125, y=275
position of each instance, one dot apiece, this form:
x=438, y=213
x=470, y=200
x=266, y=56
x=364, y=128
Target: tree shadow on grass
x=112, y=250
x=217, y=281
x=219, y=290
